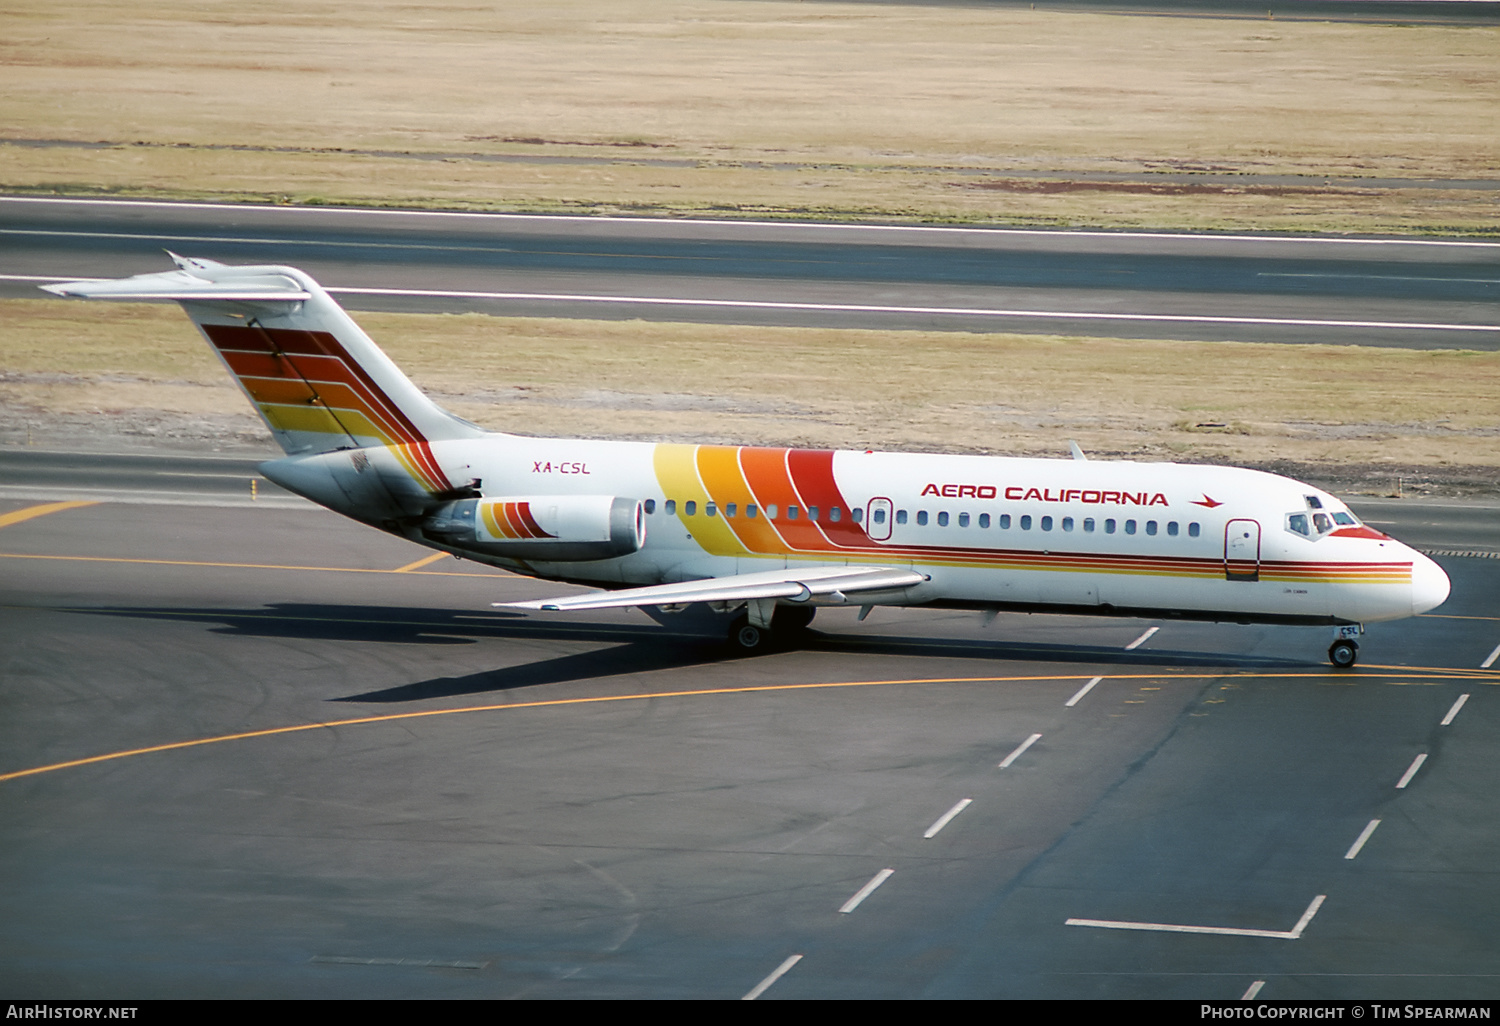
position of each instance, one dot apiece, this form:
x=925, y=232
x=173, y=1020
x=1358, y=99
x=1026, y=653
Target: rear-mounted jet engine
x=547, y=528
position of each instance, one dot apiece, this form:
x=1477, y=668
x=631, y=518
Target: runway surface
x=1416, y=293
x=261, y=751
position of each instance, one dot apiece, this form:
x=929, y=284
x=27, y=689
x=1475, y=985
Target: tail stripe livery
x=306, y=381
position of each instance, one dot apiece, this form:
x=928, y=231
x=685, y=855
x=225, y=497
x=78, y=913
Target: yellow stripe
x=748, y=689
x=31, y=512
x=424, y=561
x=677, y=472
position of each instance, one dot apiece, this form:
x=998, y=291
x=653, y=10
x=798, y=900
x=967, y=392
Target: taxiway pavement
x=262, y=751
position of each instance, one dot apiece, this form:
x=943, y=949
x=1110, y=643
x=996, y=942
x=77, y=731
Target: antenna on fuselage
x=1077, y=452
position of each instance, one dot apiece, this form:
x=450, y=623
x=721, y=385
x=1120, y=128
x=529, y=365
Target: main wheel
x=790, y=619
x=1343, y=654
x=745, y=637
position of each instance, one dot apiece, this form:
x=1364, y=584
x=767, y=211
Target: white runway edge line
x=947, y=817
x=1138, y=642
x=867, y=890
x=258, y=208
x=780, y=971
x=1253, y=990
x=1013, y=756
x=1070, y=703
x=1453, y=710
x=1229, y=931
x=956, y=311
x=1411, y=771
x=1359, y=842
x=1490, y=659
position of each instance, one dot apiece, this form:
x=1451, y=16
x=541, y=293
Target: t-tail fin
x=316, y=378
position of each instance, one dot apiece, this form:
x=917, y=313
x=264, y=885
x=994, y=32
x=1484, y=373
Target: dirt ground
x=758, y=107
x=139, y=376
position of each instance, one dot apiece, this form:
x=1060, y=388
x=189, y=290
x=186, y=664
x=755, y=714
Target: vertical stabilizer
x=317, y=380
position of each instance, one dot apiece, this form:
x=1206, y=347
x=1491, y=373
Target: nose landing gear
x=1344, y=651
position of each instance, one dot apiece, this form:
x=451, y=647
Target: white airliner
x=768, y=535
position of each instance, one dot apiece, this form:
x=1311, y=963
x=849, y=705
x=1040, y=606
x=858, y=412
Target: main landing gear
x=1344, y=651
x=787, y=623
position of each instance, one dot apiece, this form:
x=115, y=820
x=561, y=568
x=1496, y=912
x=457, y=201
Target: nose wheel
x=1343, y=653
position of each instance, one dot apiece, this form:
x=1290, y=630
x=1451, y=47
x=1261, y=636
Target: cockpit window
x=1297, y=522
x=1313, y=502
x=1322, y=523
x=1345, y=520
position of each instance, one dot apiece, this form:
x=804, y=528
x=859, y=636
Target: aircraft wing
x=796, y=583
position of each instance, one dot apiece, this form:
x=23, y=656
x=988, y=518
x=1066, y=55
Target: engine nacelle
x=546, y=528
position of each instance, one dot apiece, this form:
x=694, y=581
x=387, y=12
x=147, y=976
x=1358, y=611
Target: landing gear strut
x=786, y=624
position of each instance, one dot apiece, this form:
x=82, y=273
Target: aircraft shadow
x=638, y=648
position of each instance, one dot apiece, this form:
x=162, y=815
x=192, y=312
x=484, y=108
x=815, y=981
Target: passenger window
x=1005, y=521
x=1026, y=522
x=1297, y=522
x=791, y=512
x=835, y=514
x=943, y=519
x=1193, y=529
x=1130, y=527
x=751, y=512
x=921, y=517
x=671, y=507
x=1088, y=525
x=1109, y=526
x=900, y=516
x=689, y=508
x=650, y=505
x=812, y=512
x=710, y=510
x=1046, y=523
x=858, y=516
x=984, y=520
x=730, y=509
x=880, y=516
x=1172, y=528
x=771, y=511
x=1151, y=527
x=963, y=520
x=1067, y=524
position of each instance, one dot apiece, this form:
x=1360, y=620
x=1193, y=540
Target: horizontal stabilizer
x=798, y=584
x=184, y=287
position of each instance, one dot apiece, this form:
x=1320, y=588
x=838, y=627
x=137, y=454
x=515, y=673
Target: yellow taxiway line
x=31, y=512
x=743, y=690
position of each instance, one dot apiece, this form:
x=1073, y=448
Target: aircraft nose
x=1429, y=585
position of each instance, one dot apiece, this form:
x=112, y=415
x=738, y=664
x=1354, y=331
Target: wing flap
x=796, y=583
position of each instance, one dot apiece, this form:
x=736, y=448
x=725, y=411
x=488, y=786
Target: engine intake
x=547, y=528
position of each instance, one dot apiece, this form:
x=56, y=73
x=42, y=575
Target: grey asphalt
x=1417, y=293
x=588, y=841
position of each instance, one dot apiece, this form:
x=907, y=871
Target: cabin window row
x=1004, y=521
x=690, y=508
